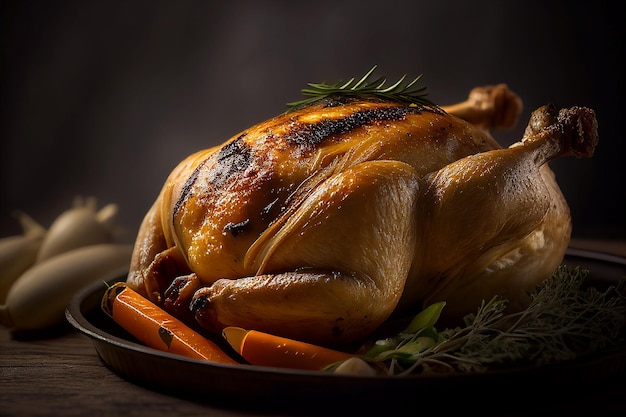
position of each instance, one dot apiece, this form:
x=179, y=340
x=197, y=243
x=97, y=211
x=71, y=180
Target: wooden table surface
x=61, y=374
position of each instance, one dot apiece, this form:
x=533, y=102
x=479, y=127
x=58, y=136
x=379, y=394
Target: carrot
x=156, y=328
x=265, y=349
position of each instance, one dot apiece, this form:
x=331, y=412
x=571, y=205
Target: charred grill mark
x=232, y=158
x=310, y=135
x=186, y=191
x=236, y=228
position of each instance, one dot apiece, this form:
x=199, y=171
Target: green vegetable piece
x=426, y=318
x=380, y=346
x=418, y=345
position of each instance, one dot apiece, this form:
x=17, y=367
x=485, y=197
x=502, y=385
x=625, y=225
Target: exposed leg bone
x=571, y=132
x=489, y=107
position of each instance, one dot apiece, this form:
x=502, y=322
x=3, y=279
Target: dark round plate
x=307, y=390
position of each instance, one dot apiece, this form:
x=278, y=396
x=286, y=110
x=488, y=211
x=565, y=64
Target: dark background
x=104, y=98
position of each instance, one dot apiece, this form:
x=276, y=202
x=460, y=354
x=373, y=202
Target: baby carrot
x=156, y=328
x=265, y=349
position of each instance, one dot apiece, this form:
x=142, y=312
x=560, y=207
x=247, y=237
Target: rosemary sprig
x=400, y=91
x=562, y=322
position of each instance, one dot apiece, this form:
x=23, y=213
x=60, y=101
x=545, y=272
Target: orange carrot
x=265, y=349
x=157, y=328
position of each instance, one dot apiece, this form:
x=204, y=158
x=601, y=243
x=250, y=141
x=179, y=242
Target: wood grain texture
x=62, y=375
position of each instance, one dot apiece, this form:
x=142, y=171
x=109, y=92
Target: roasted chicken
x=322, y=222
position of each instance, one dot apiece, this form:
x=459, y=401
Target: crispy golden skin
x=320, y=223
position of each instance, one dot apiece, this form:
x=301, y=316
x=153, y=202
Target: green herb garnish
x=562, y=322
x=400, y=91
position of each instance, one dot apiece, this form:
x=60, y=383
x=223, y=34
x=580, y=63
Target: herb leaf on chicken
x=400, y=91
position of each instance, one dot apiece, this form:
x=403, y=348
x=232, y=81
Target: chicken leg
x=495, y=222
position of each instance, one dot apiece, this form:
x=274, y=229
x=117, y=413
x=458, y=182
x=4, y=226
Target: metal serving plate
x=303, y=392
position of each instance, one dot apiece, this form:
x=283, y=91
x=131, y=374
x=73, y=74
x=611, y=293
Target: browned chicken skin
x=320, y=223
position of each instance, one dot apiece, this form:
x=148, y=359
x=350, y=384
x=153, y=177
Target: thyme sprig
x=562, y=322
x=400, y=91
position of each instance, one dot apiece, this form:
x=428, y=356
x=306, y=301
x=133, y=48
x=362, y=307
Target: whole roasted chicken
x=322, y=222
